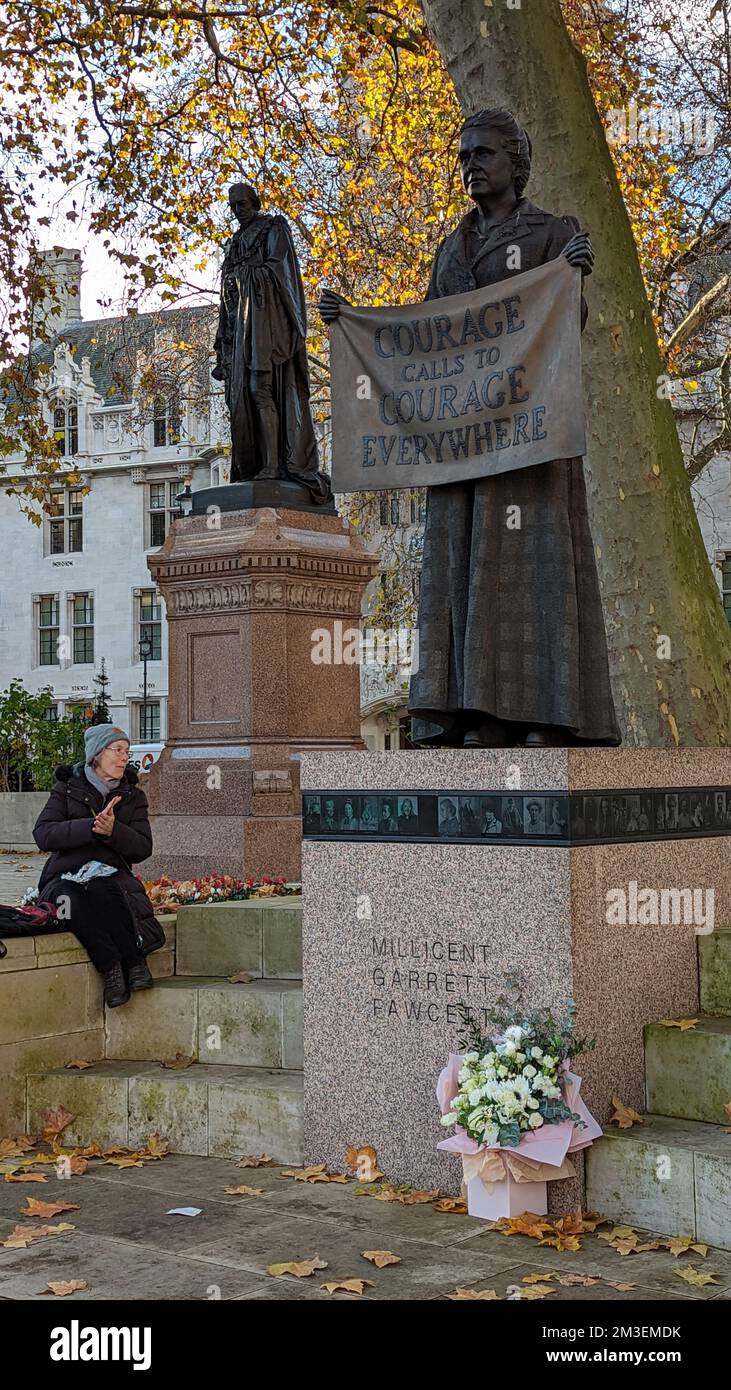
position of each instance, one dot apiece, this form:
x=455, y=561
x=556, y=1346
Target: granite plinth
x=396, y=934
x=247, y=592
x=259, y=492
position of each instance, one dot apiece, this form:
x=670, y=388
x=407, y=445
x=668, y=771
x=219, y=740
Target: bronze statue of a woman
x=512, y=648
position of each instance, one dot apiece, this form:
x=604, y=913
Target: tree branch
x=709, y=306
x=722, y=440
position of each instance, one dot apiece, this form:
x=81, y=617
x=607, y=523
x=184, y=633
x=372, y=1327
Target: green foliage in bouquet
x=554, y=1035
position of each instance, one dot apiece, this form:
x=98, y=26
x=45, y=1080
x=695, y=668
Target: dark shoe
x=545, y=737
x=490, y=734
x=139, y=976
x=115, y=987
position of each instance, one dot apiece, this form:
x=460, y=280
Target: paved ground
x=125, y=1245
x=18, y=871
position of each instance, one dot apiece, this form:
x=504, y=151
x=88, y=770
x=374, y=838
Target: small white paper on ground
x=184, y=1211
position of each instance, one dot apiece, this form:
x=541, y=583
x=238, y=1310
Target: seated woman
x=95, y=826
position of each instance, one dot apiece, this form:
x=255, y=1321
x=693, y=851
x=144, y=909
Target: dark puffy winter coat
x=64, y=828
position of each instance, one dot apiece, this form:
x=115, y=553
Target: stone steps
x=222, y=1111
x=218, y=1023
x=688, y=1074
x=262, y=936
x=666, y=1175
x=714, y=966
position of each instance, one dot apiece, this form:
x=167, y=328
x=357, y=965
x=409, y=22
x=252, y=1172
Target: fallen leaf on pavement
x=349, y=1286
x=178, y=1062
x=34, y=1207
x=461, y=1295
x=363, y=1162
x=128, y=1162
x=300, y=1268
x=63, y=1287
x=26, y=1177
x=80, y=1066
x=561, y=1242
x=583, y=1281
x=531, y=1292
x=695, y=1277
x=317, y=1172
x=592, y=1219
x=678, y=1245
x=21, y=1236
x=381, y=1258
x=544, y=1278
x=454, y=1204
x=623, y=1288
x=10, y=1148
x=624, y=1116
x=682, y=1023
x=244, y=1191
x=528, y=1224
x=254, y=1160
x=157, y=1146
x=411, y=1199
x=56, y=1121
x=243, y=978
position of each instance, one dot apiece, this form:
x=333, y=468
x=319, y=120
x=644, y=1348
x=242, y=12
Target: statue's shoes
x=492, y=734
x=544, y=738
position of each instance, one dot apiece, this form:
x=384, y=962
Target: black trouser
x=100, y=919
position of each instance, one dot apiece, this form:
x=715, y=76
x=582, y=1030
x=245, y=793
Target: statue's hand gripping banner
x=462, y=387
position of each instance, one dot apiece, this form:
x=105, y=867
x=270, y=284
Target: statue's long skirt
x=510, y=615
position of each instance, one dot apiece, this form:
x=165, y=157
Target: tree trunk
x=669, y=641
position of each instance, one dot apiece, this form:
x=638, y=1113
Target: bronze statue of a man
x=512, y=647
x=261, y=353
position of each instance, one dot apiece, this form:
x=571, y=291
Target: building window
x=82, y=626
x=83, y=708
x=165, y=422
x=48, y=632
x=51, y=713
x=150, y=623
x=395, y=509
x=726, y=583
x=149, y=722
x=66, y=429
x=66, y=525
x=162, y=509
x=383, y=511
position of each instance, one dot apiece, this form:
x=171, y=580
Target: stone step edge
x=702, y=1018
x=271, y=983
x=707, y=1139
x=111, y=1068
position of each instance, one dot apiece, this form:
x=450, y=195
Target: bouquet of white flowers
x=512, y=1087
x=513, y=1101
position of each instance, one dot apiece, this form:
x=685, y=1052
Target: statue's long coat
x=510, y=620
x=263, y=325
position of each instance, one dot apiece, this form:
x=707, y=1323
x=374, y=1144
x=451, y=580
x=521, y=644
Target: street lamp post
x=145, y=654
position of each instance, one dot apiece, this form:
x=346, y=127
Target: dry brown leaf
x=561, y=1242
x=21, y=1236
x=315, y=1173
x=583, y=1281
x=254, y=1160
x=412, y=1199
x=679, y=1245
x=79, y=1066
x=244, y=1191
x=542, y=1278
x=684, y=1024
x=623, y=1288
x=34, y=1207
x=572, y=1224
x=462, y=1295
x=157, y=1146
x=622, y=1232
x=243, y=978
x=56, y=1121
x=592, y=1219
x=63, y=1287
x=129, y=1162
x=90, y=1151
x=114, y=1149
x=624, y=1116
x=349, y=1286
x=78, y=1165
x=179, y=1062
x=454, y=1204
x=381, y=1258
x=363, y=1162
x=26, y=1177
x=301, y=1269
x=527, y=1224
x=534, y=1291
x=10, y=1148
x=694, y=1276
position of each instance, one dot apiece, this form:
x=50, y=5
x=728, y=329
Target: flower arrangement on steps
x=167, y=894
x=515, y=1105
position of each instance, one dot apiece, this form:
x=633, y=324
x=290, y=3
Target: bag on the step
x=28, y=921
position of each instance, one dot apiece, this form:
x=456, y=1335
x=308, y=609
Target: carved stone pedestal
x=249, y=597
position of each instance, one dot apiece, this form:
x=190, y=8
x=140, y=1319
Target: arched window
x=66, y=429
